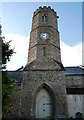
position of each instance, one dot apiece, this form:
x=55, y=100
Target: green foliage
x=7, y=83
x=7, y=87
x=6, y=52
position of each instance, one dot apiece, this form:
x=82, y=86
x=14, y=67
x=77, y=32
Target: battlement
x=44, y=9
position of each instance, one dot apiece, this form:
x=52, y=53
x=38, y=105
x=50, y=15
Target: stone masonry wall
x=74, y=80
x=32, y=81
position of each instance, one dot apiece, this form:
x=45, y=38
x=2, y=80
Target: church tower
x=43, y=93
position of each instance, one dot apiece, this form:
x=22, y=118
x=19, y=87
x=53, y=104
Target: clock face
x=44, y=36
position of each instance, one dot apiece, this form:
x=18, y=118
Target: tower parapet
x=43, y=9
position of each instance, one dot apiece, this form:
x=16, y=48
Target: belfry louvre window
x=44, y=18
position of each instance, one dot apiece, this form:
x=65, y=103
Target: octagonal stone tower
x=43, y=93
x=44, y=36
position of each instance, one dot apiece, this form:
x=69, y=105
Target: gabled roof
x=18, y=74
x=77, y=70
x=20, y=69
x=74, y=70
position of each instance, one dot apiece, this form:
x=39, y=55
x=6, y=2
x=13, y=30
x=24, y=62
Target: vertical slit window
x=44, y=51
x=44, y=18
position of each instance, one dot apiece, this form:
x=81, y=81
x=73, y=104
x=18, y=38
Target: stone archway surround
x=49, y=89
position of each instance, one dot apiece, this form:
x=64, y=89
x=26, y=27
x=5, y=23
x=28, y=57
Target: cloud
x=20, y=45
x=71, y=56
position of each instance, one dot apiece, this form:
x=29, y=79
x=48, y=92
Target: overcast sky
x=16, y=26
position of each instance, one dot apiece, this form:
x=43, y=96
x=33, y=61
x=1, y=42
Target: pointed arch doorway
x=43, y=104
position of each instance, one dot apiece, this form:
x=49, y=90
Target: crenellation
x=49, y=7
x=40, y=7
x=44, y=8
x=52, y=10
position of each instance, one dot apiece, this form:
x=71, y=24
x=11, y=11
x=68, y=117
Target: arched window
x=78, y=115
x=44, y=18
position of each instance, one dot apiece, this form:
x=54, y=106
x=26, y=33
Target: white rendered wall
x=74, y=104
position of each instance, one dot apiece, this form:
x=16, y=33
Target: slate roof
x=18, y=74
x=76, y=70
x=68, y=70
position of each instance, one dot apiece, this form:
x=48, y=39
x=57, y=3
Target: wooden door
x=43, y=104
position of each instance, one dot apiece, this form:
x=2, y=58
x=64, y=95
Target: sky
x=16, y=26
